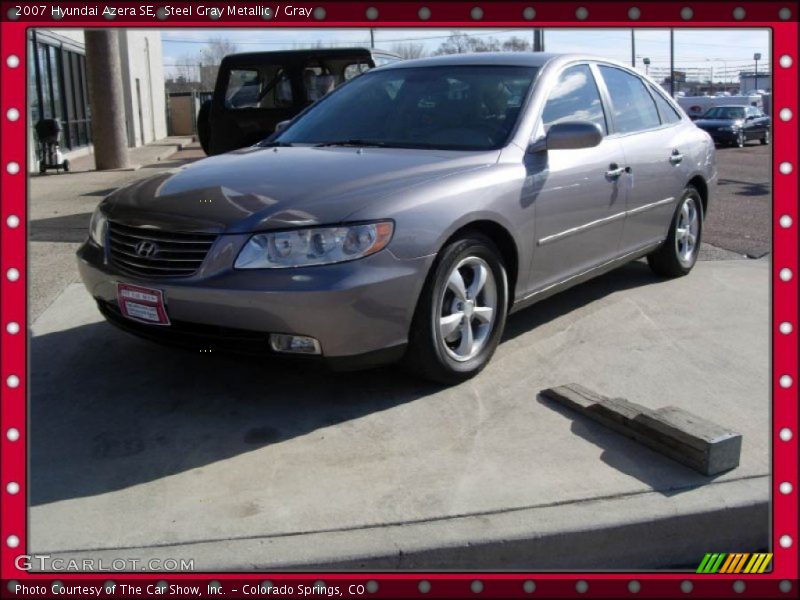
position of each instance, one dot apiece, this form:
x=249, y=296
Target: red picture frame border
x=782, y=581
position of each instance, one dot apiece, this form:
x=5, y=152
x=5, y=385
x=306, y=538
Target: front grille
x=175, y=254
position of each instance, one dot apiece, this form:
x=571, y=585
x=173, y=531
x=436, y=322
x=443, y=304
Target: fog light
x=298, y=344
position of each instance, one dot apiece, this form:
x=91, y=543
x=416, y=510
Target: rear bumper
x=360, y=311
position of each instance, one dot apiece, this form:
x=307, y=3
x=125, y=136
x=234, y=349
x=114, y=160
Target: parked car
x=735, y=125
x=257, y=90
x=405, y=214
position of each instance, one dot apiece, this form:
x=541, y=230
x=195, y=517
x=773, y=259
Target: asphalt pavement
x=740, y=219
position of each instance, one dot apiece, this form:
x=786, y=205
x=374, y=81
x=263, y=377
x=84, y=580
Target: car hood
x=257, y=189
x=718, y=122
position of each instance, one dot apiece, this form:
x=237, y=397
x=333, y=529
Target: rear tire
x=461, y=313
x=678, y=254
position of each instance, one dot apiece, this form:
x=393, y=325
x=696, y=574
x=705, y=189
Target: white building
x=57, y=87
x=748, y=81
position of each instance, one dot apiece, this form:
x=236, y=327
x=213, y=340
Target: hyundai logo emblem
x=146, y=248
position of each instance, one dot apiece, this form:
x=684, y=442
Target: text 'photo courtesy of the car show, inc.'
x=398, y=299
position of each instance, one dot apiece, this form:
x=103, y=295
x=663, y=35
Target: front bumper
x=355, y=309
x=722, y=137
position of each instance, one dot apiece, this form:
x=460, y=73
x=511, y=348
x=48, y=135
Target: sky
x=726, y=51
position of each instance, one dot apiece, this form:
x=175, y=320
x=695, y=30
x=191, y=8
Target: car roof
x=520, y=59
x=730, y=106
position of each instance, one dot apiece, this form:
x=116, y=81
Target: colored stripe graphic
x=729, y=562
x=737, y=562
x=704, y=563
x=737, y=568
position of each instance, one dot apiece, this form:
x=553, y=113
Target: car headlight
x=98, y=227
x=314, y=246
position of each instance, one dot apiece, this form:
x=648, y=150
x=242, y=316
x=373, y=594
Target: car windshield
x=443, y=107
x=725, y=112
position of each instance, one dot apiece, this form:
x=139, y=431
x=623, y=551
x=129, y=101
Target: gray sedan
x=407, y=213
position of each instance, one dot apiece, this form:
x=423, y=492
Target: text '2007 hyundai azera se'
x=405, y=214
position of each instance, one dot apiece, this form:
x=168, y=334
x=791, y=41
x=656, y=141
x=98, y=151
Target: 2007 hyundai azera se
x=406, y=213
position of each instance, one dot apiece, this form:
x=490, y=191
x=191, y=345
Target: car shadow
x=632, y=275
x=748, y=188
x=66, y=228
x=658, y=472
x=109, y=411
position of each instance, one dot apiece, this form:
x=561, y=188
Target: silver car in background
x=404, y=215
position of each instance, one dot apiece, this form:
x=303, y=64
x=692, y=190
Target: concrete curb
x=630, y=532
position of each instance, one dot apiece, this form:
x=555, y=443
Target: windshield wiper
x=275, y=144
x=352, y=142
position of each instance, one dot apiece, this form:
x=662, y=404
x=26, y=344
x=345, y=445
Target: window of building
x=634, y=108
x=574, y=98
x=57, y=90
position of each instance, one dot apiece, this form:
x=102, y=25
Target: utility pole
x=371, y=38
x=756, y=57
x=104, y=76
x=671, y=62
x=633, y=48
x=538, y=40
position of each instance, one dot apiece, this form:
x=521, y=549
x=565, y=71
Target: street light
x=756, y=57
x=646, y=66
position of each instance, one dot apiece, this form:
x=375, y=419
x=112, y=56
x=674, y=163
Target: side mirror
x=282, y=125
x=569, y=135
x=749, y=117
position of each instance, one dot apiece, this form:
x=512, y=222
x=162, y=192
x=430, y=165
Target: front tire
x=678, y=254
x=461, y=312
x=765, y=140
x=740, y=140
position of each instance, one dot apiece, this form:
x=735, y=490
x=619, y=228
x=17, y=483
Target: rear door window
x=633, y=107
x=258, y=88
x=666, y=110
x=355, y=69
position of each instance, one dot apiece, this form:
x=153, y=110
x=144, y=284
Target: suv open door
x=257, y=90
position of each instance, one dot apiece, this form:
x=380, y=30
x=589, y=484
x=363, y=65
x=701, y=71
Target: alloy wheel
x=467, y=308
x=687, y=231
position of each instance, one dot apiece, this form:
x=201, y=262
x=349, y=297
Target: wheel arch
x=699, y=183
x=502, y=238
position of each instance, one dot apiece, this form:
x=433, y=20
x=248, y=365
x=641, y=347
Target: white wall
x=141, y=56
x=140, y=52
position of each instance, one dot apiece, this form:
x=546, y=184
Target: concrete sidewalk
x=142, y=451
x=139, y=156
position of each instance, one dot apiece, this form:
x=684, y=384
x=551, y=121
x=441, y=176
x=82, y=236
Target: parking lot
x=741, y=218
x=142, y=451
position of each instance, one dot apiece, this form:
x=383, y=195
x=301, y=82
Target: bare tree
x=461, y=43
x=210, y=58
x=517, y=44
x=409, y=50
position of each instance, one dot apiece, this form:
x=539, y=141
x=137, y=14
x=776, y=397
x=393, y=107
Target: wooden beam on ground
x=691, y=440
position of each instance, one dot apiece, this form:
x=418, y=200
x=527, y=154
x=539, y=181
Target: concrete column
x=104, y=76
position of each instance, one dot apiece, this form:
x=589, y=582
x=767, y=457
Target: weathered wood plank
x=691, y=440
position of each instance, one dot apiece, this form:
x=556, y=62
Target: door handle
x=615, y=171
x=676, y=157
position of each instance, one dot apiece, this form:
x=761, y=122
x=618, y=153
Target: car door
x=578, y=195
x=755, y=123
x=248, y=102
x=654, y=153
